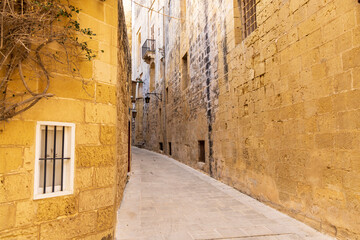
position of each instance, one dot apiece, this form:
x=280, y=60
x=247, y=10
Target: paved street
x=166, y=200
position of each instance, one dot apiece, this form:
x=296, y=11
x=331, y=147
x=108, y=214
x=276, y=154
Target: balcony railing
x=148, y=49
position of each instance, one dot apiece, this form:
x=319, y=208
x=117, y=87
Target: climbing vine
x=37, y=37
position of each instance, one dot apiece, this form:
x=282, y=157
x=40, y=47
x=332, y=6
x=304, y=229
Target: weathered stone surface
x=100, y=113
x=7, y=215
x=48, y=209
x=29, y=233
x=67, y=87
x=105, y=218
x=97, y=198
x=107, y=135
x=82, y=223
x=106, y=235
x=10, y=159
x=52, y=112
x=106, y=93
x=84, y=178
x=25, y=212
x=87, y=134
x=17, y=133
x=104, y=176
x=15, y=187
x=91, y=156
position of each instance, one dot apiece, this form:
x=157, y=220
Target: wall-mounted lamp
x=157, y=95
x=133, y=112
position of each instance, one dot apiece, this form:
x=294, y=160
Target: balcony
x=148, y=50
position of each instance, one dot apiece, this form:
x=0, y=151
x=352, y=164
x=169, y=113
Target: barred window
x=249, y=17
x=54, y=163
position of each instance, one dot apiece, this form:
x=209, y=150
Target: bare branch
x=27, y=30
x=11, y=111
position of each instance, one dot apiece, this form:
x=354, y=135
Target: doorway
x=129, y=147
x=202, y=151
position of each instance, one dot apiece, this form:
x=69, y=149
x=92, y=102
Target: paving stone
x=167, y=200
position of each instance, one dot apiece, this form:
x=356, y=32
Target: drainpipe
x=164, y=87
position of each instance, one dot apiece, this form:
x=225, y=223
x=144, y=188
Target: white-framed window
x=54, y=159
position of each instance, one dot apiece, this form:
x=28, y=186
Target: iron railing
x=148, y=46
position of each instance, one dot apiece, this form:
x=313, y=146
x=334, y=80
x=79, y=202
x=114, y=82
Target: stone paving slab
x=167, y=200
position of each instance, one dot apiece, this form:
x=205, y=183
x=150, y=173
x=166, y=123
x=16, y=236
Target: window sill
x=51, y=195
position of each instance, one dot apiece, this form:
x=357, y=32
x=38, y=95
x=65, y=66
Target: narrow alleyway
x=165, y=200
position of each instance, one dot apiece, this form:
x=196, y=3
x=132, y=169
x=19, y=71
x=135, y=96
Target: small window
x=139, y=90
x=54, y=159
x=162, y=70
x=170, y=151
x=152, y=77
x=249, y=17
x=201, y=151
x=183, y=14
x=152, y=31
x=161, y=146
x=184, y=72
x=167, y=95
x=139, y=53
x=237, y=22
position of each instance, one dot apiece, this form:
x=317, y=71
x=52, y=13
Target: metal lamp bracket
x=157, y=95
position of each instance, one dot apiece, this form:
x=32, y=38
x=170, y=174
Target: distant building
x=263, y=95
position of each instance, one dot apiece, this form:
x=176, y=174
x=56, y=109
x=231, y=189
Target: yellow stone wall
x=101, y=142
x=278, y=111
x=292, y=137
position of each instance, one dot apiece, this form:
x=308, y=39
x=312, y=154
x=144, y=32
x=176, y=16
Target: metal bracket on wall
x=157, y=95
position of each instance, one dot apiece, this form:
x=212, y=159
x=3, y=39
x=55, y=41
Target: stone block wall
x=290, y=140
x=278, y=111
x=98, y=105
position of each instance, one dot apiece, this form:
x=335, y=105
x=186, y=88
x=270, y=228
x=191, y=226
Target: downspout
x=164, y=86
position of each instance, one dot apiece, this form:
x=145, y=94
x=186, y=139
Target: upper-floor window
x=139, y=90
x=249, y=17
x=152, y=77
x=183, y=14
x=184, y=72
x=139, y=54
x=54, y=159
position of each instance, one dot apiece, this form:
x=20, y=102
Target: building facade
x=262, y=95
x=64, y=162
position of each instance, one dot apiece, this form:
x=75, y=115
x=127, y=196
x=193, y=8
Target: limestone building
x=263, y=95
x=85, y=129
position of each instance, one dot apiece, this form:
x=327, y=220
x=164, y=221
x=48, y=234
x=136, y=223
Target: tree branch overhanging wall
x=35, y=38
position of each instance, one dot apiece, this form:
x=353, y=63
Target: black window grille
x=52, y=157
x=249, y=17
